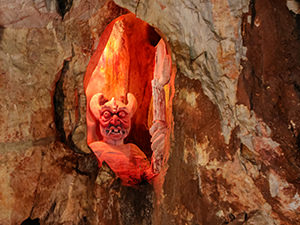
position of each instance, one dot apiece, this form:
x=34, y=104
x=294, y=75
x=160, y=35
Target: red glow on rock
x=123, y=63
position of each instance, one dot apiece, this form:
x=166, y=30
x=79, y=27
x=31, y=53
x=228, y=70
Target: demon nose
x=115, y=120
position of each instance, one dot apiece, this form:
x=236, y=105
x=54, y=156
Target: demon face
x=114, y=117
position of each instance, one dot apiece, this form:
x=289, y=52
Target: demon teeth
x=114, y=131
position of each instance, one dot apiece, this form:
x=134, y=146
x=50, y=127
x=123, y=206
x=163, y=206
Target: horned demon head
x=114, y=116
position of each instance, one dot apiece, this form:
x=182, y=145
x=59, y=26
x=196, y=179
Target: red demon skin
x=127, y=161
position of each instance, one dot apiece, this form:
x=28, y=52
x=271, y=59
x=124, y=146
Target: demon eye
x=122, y=114
x=106, y=114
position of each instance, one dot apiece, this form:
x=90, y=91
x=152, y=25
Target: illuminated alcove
x=124, y=63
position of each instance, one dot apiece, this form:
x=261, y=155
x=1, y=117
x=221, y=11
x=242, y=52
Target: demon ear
x=96, y=101
x=132, y=104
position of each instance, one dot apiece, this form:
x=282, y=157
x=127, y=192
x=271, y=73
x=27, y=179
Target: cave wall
x=47, y=171
x=234, y=154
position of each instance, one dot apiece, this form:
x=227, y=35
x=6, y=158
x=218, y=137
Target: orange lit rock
x=123, y=62
x=234, y=152
x=111, y=120
x=236, y=108
x=159, y=129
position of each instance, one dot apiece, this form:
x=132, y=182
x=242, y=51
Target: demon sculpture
x=127, y=161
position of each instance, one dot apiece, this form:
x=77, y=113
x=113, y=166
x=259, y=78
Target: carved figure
x=128, y=162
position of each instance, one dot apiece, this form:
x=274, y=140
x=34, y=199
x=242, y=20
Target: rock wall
x=47, y=171
x=234, y=154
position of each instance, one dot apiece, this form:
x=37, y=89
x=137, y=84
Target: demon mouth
x=114, y=130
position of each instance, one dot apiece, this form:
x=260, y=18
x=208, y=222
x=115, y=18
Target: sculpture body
x=128, y=162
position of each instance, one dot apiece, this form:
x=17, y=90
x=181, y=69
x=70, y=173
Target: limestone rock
x=234, y=109
x=234, y=152
x=45, y=182
x=43, y=58
x=210, y=52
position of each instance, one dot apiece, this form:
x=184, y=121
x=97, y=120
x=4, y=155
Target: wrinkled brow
x=106, y=107
x=109, y=108
x=125, y=109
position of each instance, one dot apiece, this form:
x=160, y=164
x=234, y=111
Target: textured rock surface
x=236, y=143
x=47, y=171
x=234, y=156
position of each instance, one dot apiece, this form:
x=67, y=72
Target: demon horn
x=132, y=103
x=96, y=101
